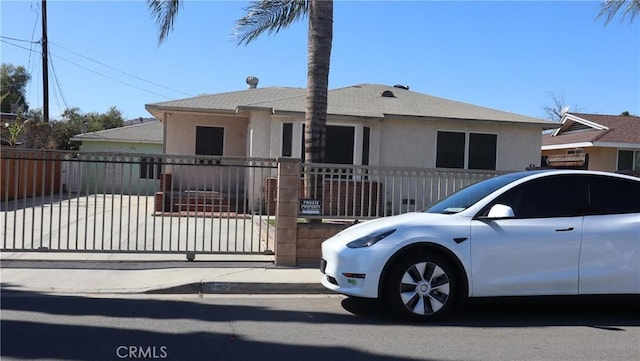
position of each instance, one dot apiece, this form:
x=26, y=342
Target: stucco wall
x=94, y=146
x=603, y=159
x=181, y=133
x=181, y=139
x=259, y=145
x=412, y=142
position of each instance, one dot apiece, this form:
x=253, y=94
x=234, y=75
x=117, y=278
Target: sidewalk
x=81, y=274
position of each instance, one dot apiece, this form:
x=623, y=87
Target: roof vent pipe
x=252, y=82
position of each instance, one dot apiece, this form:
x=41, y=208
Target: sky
x=513, y=56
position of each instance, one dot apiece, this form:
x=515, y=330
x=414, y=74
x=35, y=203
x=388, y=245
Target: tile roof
x=364, y=100
x=621, y=129
x=150, y=132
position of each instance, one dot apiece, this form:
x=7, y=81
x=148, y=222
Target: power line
x=90, y=70
x=33, y=34
x=15, y=39
x=108, y=77
x=118, y=70
x=55, y=77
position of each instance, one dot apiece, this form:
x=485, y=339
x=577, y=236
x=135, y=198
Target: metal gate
x=164, y=203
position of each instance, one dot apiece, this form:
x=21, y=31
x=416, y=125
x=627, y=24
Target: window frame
x=221, y=147
x=580, y=181
x=286, y=139
x=467, y=147
x=150, y=165
x=635, y=159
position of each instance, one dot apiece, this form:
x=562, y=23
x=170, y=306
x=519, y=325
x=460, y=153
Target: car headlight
x=369, y=240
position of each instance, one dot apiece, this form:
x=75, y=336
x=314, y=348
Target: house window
x=628, y=160
x=209, y=140
x=150, y=167
x=303, y=155
x=482, y=151
x=339, y=145
x=451, y=150
x=287, y=139
x=366, y=138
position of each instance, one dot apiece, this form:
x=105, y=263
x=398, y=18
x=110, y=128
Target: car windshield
x=468, y=196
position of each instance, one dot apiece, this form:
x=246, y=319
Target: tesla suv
x=549, y=232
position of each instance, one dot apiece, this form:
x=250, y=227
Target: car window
x=609, y=195
x=468, y=196
x=553, y=196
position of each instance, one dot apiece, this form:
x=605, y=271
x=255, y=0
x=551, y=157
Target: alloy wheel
x=424, y=288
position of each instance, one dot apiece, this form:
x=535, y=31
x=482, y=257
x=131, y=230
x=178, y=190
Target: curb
x=243, y=288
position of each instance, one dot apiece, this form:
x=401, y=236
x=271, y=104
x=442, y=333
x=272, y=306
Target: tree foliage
x=610, y=8
x=75, y=122
x=269, y=16
x=13, y=82
x=165, y=12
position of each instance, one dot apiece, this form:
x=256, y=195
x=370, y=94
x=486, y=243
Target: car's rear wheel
x=421, y=287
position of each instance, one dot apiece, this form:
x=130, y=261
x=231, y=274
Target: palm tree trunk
x=319, y=55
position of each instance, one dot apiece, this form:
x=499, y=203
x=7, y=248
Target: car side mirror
x=500, y=211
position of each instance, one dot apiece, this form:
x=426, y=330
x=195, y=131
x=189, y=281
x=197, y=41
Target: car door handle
x=565, y=229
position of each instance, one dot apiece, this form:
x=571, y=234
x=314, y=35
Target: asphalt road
x=279, y=327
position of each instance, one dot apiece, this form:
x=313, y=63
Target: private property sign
x=310, y=207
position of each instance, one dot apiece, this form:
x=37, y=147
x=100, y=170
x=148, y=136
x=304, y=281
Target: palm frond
x=268, y=15
x=165, y=12
x=609, y=9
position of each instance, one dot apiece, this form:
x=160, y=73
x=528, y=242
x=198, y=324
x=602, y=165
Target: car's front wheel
x=421, y=287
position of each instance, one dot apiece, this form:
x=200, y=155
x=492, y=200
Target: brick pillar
x=287, y=211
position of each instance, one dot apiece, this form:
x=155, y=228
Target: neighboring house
x=140, y=176
x=367, y=124
x=595, y=142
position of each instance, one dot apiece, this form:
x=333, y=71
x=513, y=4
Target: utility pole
x=45, y=65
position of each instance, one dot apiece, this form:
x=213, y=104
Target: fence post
x=287, y=211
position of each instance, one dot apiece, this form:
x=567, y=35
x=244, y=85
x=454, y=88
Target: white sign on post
x=311, y=207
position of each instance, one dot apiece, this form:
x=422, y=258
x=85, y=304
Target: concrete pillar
x=287, y=211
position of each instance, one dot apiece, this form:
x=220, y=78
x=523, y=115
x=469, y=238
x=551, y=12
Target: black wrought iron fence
x=134, y=203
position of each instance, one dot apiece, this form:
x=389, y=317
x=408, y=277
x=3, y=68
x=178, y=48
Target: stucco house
x=595, y=142
x=139, y=177
x=367, y=124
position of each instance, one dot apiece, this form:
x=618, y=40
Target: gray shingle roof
x=364, y=100
x=150, y=132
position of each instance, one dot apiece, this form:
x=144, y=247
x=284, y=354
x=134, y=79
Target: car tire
x=422, y=287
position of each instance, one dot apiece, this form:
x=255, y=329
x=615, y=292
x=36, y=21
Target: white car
x=550, y=232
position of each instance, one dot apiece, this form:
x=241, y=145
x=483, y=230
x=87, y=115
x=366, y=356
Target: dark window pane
x=482, y=151
x=287, y=132
x=150, y=167
x=302, y=145
x=209, y=140
x=450, y=150
x=366, y=138
x=613, y=196
x=625, y=160
x=339, y=145
x=555, y=196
